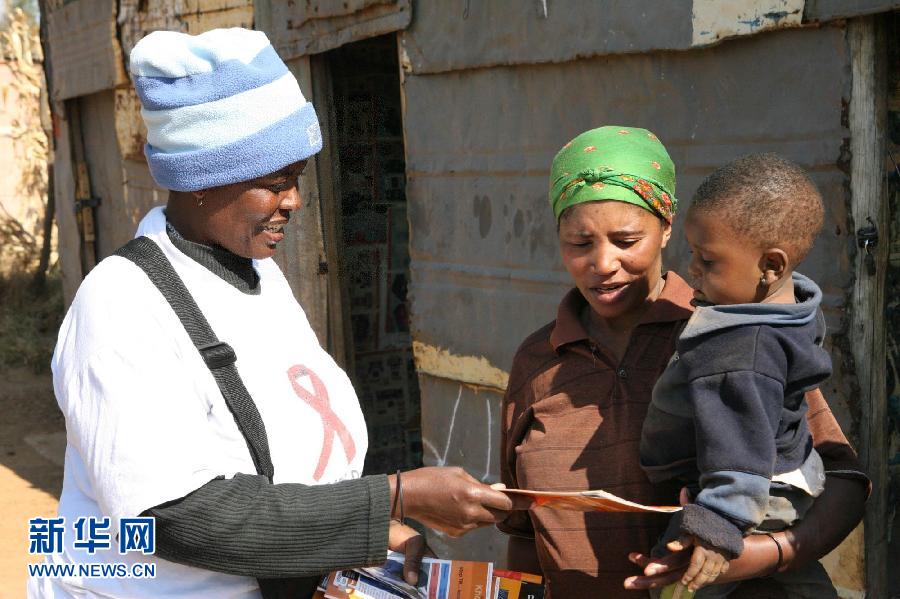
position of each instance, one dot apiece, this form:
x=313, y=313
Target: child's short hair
x=769, y=199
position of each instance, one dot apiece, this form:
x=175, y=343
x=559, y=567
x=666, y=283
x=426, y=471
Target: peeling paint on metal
x=84, y=51
x=715, y=20
x=474, y=370
x=846, y=566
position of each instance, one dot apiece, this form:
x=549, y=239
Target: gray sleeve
x=249, y=527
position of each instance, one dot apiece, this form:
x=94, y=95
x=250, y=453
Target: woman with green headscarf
x=579, y=387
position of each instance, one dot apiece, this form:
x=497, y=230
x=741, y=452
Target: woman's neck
x=233, y=269
x=184, y=214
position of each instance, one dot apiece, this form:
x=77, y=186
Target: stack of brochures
x=517, y=585
x=438, y=579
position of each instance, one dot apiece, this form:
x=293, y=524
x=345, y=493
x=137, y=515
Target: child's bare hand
x=706, y=564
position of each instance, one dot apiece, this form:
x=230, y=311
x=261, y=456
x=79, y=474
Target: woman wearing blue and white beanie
x=259, y=494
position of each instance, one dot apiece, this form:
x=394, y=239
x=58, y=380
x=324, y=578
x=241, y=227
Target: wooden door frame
x=867, y=121
x=328, y=169
x=301, y=255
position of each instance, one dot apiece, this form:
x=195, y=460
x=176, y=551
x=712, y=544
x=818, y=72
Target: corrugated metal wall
x=485, y=266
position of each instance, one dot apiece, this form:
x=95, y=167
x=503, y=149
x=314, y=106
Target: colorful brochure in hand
x=517, y=585
x=586, y=501
x=347, y=584
x=438, y=579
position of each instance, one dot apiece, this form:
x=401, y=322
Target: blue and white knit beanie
x=220, y=107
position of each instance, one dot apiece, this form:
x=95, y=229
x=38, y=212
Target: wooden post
x=867, y=334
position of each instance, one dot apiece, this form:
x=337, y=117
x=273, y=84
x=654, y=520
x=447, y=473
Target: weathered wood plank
x=68, y=240
x=340, y=340
x=137, y=18
x=84, y=48
x=131, y=133
x=866, y=318
x=104, y=160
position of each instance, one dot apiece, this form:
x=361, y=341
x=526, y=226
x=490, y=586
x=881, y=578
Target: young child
x=728, y=416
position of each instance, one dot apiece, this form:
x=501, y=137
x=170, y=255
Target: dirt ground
x=32, y=445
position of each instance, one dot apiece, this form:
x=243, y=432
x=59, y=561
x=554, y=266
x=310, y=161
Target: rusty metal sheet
x=463, y=431
x=474, y=371
x=84, y=50
x=485, y=268
x=824, y=10
x=447, y=36
x=715, y=20
x=303, y=28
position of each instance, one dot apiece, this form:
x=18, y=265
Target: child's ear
x=774, y=265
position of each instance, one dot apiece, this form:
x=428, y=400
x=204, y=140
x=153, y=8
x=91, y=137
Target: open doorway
x=370, y=241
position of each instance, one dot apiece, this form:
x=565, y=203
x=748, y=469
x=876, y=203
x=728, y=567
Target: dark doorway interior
x=374, y=247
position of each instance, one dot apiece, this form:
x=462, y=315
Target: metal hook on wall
x=867, y=239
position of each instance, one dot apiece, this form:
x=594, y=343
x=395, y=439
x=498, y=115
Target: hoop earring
x=199, y=197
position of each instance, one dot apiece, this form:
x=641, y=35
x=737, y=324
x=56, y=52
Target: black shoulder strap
x=218, y=355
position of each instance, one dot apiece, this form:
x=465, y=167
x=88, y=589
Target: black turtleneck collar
x=235, y=270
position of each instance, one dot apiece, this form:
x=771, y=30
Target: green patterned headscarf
x=623, y=164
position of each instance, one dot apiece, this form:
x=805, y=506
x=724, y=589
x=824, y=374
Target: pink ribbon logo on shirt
x=331, y=423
